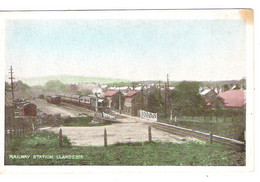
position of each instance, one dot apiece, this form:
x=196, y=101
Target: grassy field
x=236, y=119
x=39, y=144
x=229, y=128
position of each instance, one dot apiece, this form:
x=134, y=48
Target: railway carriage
x=53, y=99
x=65, y=98
x=89, y=101
x=85, y=101
x=75, y=99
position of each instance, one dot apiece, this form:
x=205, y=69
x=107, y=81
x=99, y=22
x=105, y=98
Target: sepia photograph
x=128, y=88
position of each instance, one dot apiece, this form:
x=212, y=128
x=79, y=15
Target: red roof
x=131, y=93
x=110, y=93
x=233, y=98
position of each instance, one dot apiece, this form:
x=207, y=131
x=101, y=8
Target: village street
x=130, y=129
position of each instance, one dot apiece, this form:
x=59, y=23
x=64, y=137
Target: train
x=89, y=101
x=53, y=99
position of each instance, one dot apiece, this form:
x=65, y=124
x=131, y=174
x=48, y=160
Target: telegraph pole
x=12, y=83
x=120, y=106
x=165, y=99
x=96, y=102
x=133, y=85
x=167, y=96
x=12, y=91
x=160, y=95
x=168, y=83
x=142, y=97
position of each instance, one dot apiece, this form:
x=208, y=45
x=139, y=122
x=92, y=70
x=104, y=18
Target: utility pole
x=167, y=96
x=165, y=100
x=142, y=98
x=168, y=83
x=96, y=102
x=120, y=106
x=133, y=85
x=12, y=83
x=12, y=91
x=160, y=95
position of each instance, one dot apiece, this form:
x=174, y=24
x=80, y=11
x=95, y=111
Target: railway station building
x=115, y=99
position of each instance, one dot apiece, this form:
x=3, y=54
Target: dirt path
x=116, y=133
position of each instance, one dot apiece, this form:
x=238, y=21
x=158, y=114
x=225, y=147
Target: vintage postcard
x=127, y=88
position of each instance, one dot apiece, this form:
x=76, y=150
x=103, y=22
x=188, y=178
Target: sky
x=137, y=49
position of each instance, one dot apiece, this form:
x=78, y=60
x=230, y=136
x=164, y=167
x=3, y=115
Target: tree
x=55, y=86
x=187, y=99
x=154, y=100
x=20, y=86
x=153, y=103
x=72, y=88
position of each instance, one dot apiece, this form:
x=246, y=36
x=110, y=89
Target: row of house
x=129, y=103
x=129, y=99
x=233, y=98
x=134, y=100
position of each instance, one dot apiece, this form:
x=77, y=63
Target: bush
x=37, y=140
x=14, y=144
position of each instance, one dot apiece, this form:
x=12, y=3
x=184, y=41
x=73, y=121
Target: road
x=130, y=128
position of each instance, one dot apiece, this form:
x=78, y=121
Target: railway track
x=197, y=134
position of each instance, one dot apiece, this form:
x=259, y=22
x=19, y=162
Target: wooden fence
x=198, y=134
x=60, y=134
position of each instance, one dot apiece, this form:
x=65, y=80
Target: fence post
x=105, y=137
x=245, y=136
x=32, y=127
x=11, y=131
x=150, y=133
x=210, y=137
x=60, y=138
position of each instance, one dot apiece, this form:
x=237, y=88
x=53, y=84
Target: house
x=135, y=101
x=131, y=103
x=233, y=98
x=209, y=96
x=115, y=99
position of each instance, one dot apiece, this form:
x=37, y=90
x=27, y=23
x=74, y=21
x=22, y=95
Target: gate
x=148, y=115
x=105, y=115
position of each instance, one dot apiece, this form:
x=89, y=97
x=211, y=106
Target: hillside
x=66, y=79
